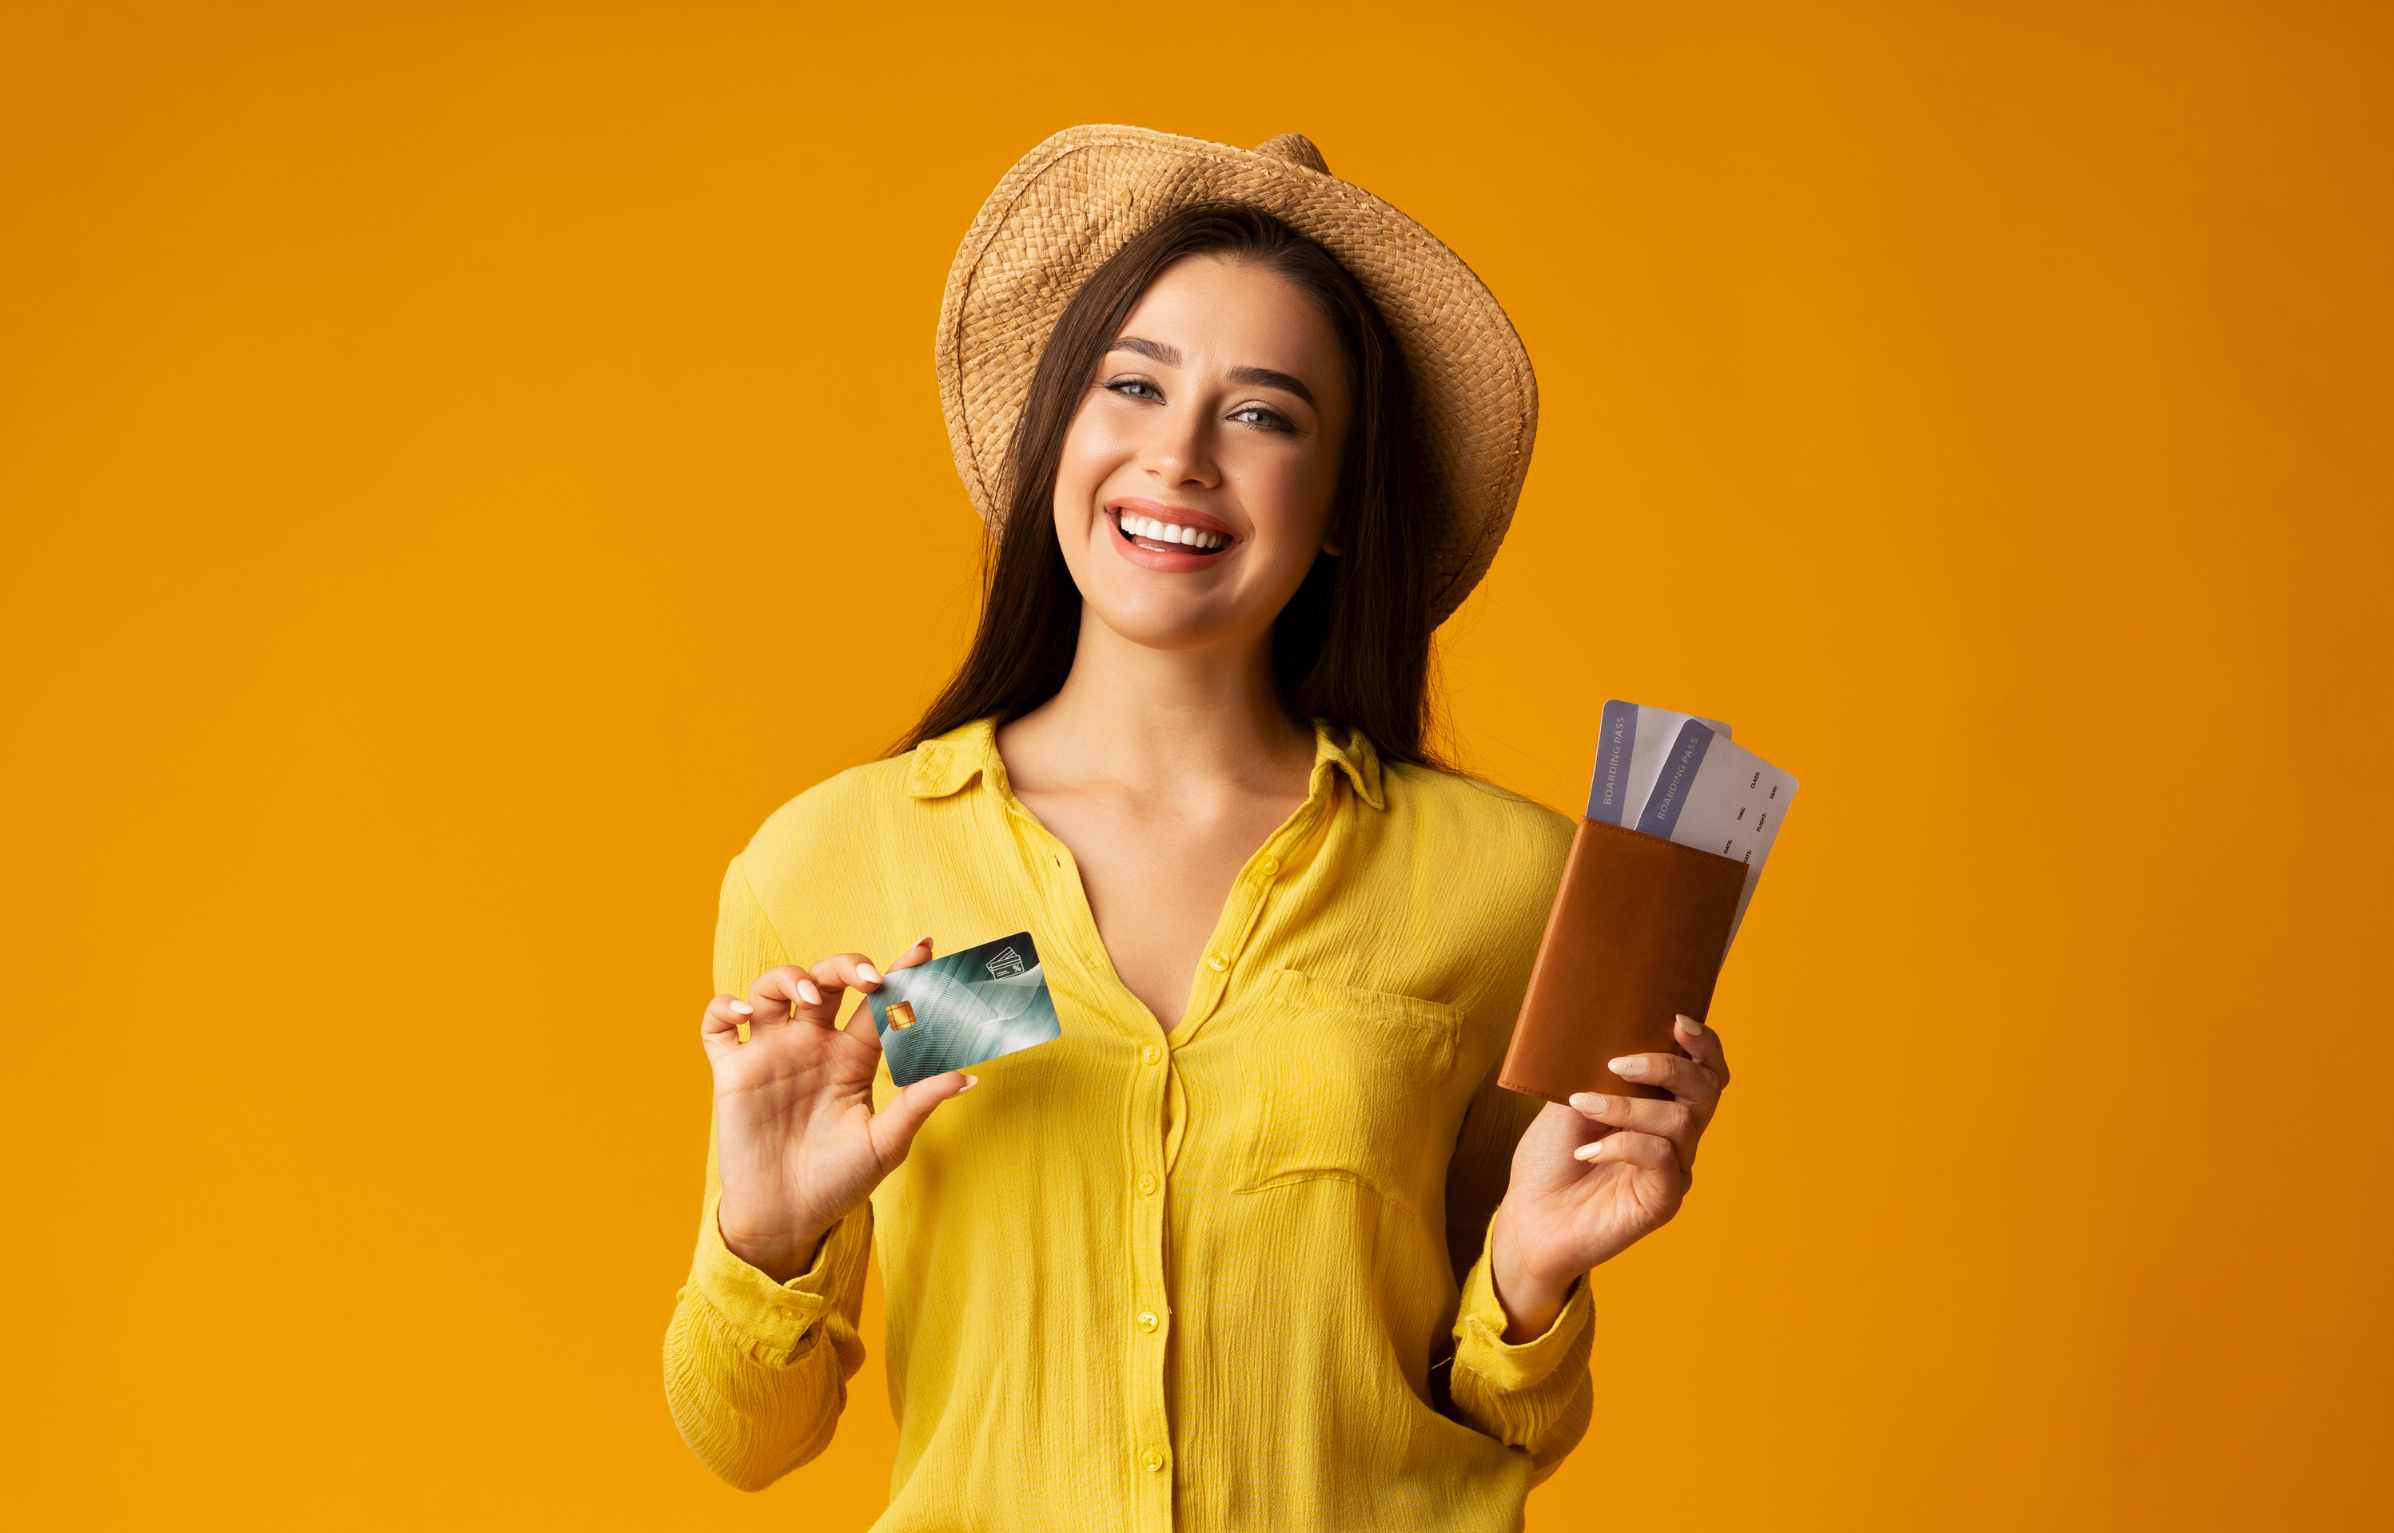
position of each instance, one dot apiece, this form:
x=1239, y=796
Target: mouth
x=1160, y=537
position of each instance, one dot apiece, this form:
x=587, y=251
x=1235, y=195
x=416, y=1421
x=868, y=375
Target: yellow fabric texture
x=1142, y=1280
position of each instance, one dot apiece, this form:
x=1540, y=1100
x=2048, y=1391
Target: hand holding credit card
x=976, y=1004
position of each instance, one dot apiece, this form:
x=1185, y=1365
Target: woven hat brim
x=1066, y=206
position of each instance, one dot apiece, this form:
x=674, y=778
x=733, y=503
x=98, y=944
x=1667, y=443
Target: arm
x=756, y=1371
x=1534, y=1393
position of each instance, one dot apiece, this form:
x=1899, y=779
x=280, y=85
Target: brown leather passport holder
x=1637, y=932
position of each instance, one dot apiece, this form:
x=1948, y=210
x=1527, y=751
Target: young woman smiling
x=1257, y=1242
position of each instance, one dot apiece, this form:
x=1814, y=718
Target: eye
x=1277, y=421
x=1271, y=420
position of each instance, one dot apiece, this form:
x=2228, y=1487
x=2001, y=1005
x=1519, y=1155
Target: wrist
x=1530, y=1297
x=780, y=1257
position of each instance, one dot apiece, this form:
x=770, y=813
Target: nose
x=1179, y=448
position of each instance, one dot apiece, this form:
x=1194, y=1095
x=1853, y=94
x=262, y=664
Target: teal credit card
x=963, y=1008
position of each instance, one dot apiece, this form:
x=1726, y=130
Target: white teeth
x=1168, y=532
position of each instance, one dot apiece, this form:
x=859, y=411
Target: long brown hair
x=1352, y=643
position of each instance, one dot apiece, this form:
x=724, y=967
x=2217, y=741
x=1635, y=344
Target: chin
x=1157, y=620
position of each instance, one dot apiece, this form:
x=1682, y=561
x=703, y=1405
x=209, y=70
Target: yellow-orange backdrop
x=454, y=462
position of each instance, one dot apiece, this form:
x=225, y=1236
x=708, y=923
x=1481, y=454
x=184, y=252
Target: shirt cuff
x=1480, y=1324
x=771, y=1320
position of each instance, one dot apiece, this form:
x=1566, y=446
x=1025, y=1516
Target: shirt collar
x=946, y=762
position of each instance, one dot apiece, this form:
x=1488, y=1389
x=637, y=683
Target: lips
x=1166, y=558
x=1188, y=554
x=1178, y=516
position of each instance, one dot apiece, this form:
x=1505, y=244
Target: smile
x=1159, y=545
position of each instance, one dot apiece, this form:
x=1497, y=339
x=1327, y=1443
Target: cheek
x=1080, y=467
x=1096, y=436
x=1291, y=496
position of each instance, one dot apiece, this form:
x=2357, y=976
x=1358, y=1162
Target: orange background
x=454, y=464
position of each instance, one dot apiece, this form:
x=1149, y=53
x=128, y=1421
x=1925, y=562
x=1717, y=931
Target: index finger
x=1676, y=1074
x=1704, y=1044
x=788, y=986
x=830, y=976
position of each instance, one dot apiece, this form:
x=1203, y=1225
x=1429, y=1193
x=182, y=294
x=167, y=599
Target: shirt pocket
x=1353, y=1077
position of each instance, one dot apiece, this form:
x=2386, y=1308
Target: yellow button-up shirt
x=1152, y=1280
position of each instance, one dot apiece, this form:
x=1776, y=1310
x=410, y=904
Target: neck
x=1192, y=723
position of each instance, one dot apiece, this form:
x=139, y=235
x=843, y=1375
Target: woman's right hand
x=796, y=1136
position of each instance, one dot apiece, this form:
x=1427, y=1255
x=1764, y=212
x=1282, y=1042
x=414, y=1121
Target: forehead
x=1222, y=313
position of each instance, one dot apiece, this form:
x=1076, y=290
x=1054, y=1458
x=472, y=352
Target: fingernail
x=806, y=988
x=922, y=941
x=743, y=1008
x=1626, y=1064
x=1587, y=1151
x=1695, y=1029
x=1588, y=1101
x=867, y=970
x=970, y=1082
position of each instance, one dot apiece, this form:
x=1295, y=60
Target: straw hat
x=1081, y=194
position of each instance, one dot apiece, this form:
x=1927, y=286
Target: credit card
x=965, y=1007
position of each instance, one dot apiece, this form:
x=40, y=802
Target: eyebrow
x=1170, y=357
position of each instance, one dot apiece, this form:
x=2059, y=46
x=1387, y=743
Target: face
x=1223, y=404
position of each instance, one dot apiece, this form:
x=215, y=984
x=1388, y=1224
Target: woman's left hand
x=1591, y=1178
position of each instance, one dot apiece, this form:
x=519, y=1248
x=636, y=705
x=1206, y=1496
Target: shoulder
x=1491, y=858
x=842, y=816
x=1486, y=822
x=1500, y=851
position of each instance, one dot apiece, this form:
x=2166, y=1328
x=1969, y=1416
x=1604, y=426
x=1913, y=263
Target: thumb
x=908, y=1110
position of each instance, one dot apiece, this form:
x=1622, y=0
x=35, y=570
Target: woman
x=1201, y=1261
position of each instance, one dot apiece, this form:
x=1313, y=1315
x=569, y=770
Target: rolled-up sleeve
x=1536, y=1395
x=756, y=1371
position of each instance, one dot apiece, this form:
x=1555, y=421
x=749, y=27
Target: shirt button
x=1147, y=1320
x=1216, y=962
x=1147, y=1184
x=1268, y=867
x=1151, y=1053
x=1154, y=1459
